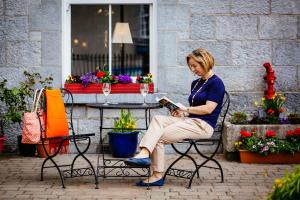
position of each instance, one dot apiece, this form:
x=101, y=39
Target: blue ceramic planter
x=123, y=145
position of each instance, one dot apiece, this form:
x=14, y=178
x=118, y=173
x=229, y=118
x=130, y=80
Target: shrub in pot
x=123, y=139
x=14, y=101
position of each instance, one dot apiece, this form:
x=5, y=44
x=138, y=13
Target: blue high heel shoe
x=138, y=162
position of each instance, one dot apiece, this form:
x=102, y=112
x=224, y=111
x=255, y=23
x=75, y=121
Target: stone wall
x=30, y=38
x=242, y=35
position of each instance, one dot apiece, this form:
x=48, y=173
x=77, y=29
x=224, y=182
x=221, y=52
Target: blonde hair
x=203, y=57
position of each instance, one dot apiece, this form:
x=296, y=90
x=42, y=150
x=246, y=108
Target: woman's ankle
x=144, y=153
x=157, y=174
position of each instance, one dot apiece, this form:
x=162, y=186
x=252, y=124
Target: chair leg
x=149, y=174
x=220, y=168
x=42, y=168
x=55, y=165
x=179, y=158
x=210, y=158
x=87, y=160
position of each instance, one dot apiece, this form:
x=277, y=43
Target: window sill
x=115, y=98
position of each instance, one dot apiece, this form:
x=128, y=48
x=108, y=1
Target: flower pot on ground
x=41, y=151
x=232, y=134
x=26, y=149
x=257, y=148
x=123, y=144
x=280, y=158
x=123, y=139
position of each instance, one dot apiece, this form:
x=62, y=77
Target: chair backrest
x=222, y=116
x=68, y=102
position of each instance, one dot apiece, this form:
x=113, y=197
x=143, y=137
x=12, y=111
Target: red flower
x=245, y=133
x=289, y=133
x=270, y=133
x=253, y=130
x=297, y=131
x=281, y=110
x=101, y=74
x=269, y=96
x=270, y=111
x=138, y=78
x=267, y=65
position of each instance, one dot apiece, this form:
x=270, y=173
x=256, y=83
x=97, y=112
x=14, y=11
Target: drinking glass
x=106, y=87
x=144, y=88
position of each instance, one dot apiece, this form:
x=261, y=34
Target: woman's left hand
x=176, y=113
x=182, y=107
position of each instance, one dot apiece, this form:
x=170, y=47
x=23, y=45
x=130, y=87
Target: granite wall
x=242, y=35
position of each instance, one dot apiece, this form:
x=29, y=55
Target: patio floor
x=19, y=179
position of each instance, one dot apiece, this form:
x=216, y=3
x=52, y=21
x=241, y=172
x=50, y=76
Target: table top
x=125, y=105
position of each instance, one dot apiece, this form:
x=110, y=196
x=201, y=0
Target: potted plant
x=123, y=139
x=15, y=102
x=91, y=82
x=268, y=116
x=287, y=188
x=238, y=118
x=268, y=148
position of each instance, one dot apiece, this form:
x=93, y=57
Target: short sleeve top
x=212, y=90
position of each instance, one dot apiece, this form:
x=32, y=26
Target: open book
x=166, y=102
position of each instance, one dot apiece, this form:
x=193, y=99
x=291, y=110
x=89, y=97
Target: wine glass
x=144, y=88
x=106, y=87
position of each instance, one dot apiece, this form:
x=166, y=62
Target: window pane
x=89, y=33
x=131, y=59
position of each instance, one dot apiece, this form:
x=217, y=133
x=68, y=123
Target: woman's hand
x=177, y=113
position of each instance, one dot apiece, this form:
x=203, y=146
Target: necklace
x=199, y=88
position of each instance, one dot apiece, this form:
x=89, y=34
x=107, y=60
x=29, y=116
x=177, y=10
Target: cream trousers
x=166, y=130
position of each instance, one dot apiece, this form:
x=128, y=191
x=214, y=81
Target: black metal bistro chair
x=215, y=140
x=67, y=170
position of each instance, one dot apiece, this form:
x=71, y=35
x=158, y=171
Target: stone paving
x=19, y=179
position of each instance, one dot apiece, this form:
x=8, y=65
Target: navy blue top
x=213, y=90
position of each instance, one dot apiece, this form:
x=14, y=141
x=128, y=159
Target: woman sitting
x=194, y=122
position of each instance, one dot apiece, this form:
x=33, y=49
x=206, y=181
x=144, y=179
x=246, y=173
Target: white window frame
x=66, y=32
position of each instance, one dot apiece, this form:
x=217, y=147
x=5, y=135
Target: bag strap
x=38, y=99
x=33, y=102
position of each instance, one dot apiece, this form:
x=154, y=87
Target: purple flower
x=124, y=79
x=88, y=78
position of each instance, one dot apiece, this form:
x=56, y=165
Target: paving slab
x=20, y=179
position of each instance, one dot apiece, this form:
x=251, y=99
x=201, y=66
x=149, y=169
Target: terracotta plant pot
x=40, y=150
x=96, y=88
x=281, y=158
